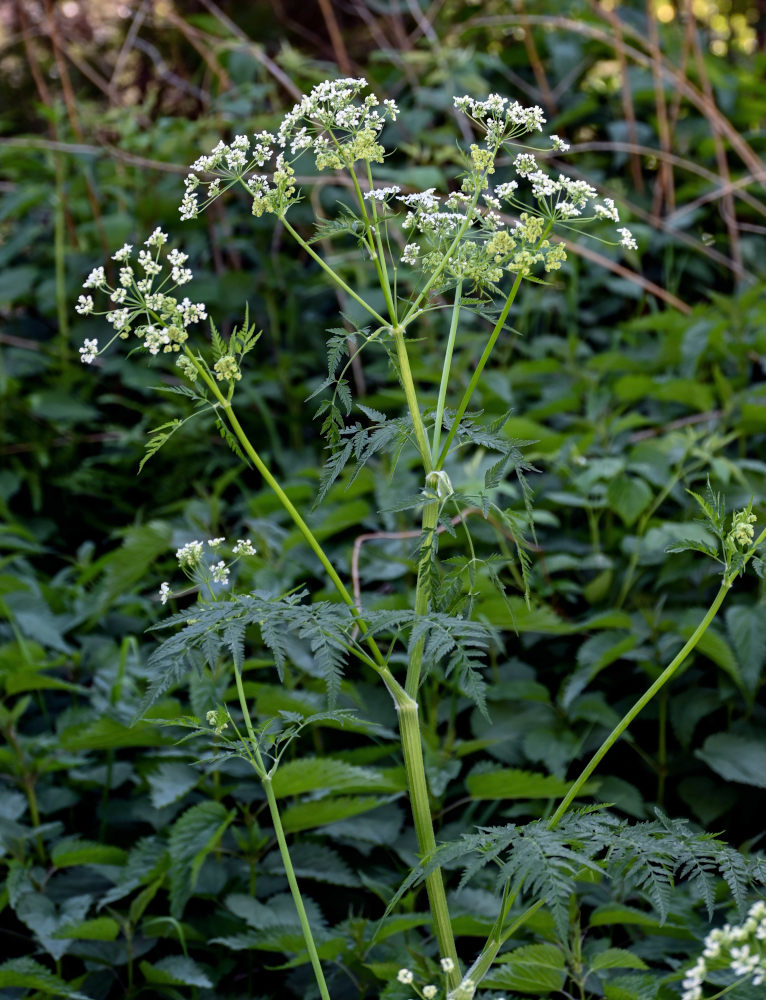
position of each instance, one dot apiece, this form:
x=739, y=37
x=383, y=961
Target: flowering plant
x=473, y=247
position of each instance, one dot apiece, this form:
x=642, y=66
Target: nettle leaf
x=310, y=774
x=746, y=625
x=147, y=860
x=310, y=815
x=178, y=970
x=616, y=958
x=510, y=783
x=313, y=861
x=27, y=974
x=628, y=496
x=534, y=968
x=736, y=758
x=192, y=837
x=72, y=851
x=170, y=782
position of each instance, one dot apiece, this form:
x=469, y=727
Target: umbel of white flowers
x=340, y=127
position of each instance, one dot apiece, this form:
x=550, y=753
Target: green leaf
x=85, y=852
x=736, y=758
x=511, y=783
x=170, y=782
x=97, y=929
x=193, y=836
x=633, y=987
x=746, y=625
x=534, y=968
x=629, y=497
x=26, y=973
x=309, y=815
x=178, y=970
x=311, y=773
x=106, y=733
x=617, y=958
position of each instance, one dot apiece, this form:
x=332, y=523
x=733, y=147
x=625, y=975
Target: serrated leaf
x=617, y=958
x=71, y=852
x=312, y=773
x=170, y=782
x=538, y=969
x=26, y=973
x=309, y=815
x=178, y=970
x=736, y=758
x=96, y=929
x=746, y=625
x=192, y=837
x=510, y=783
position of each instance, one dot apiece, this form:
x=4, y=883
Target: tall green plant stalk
x=406, y=703
x=265, y=777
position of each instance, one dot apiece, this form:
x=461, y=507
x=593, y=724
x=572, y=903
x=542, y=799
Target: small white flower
x=559, y=143
x=189, y=555
x=447, y=964
x=429, y=992
x=88, y=351
x=157, y=239
x=410, y=254
x=405, y=976
x=123, y=253
x=627, y=239
x=244, y=547
x=215, y=542
x=84, y=305
x=220, y=572
x=164, y=592
x=96, y=278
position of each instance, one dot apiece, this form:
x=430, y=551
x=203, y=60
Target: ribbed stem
x=409, y=727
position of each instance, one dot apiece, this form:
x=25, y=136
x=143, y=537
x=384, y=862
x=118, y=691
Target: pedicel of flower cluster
x=191, y=559
x=739, y=949
x=141, y=301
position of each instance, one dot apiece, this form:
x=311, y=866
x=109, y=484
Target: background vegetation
x=128, y=868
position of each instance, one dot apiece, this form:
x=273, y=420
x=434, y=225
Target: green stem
x=276, y=819
x=294, y=888
x=375, y=246
x=429, y=522
x=497, y=939
x=446, y=371
x=333, y=274
x=405, y=373
x=421, y=813
x=642, y=702
x=466, y=398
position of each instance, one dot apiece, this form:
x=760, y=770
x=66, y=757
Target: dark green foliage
x=134, y=863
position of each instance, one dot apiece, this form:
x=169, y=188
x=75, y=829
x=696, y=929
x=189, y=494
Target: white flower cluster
x=156, y=317
x=382, y=194
x=337, y=124
x=500, y=118
x=191, y=559
x=740, y=948
x=228, y=164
